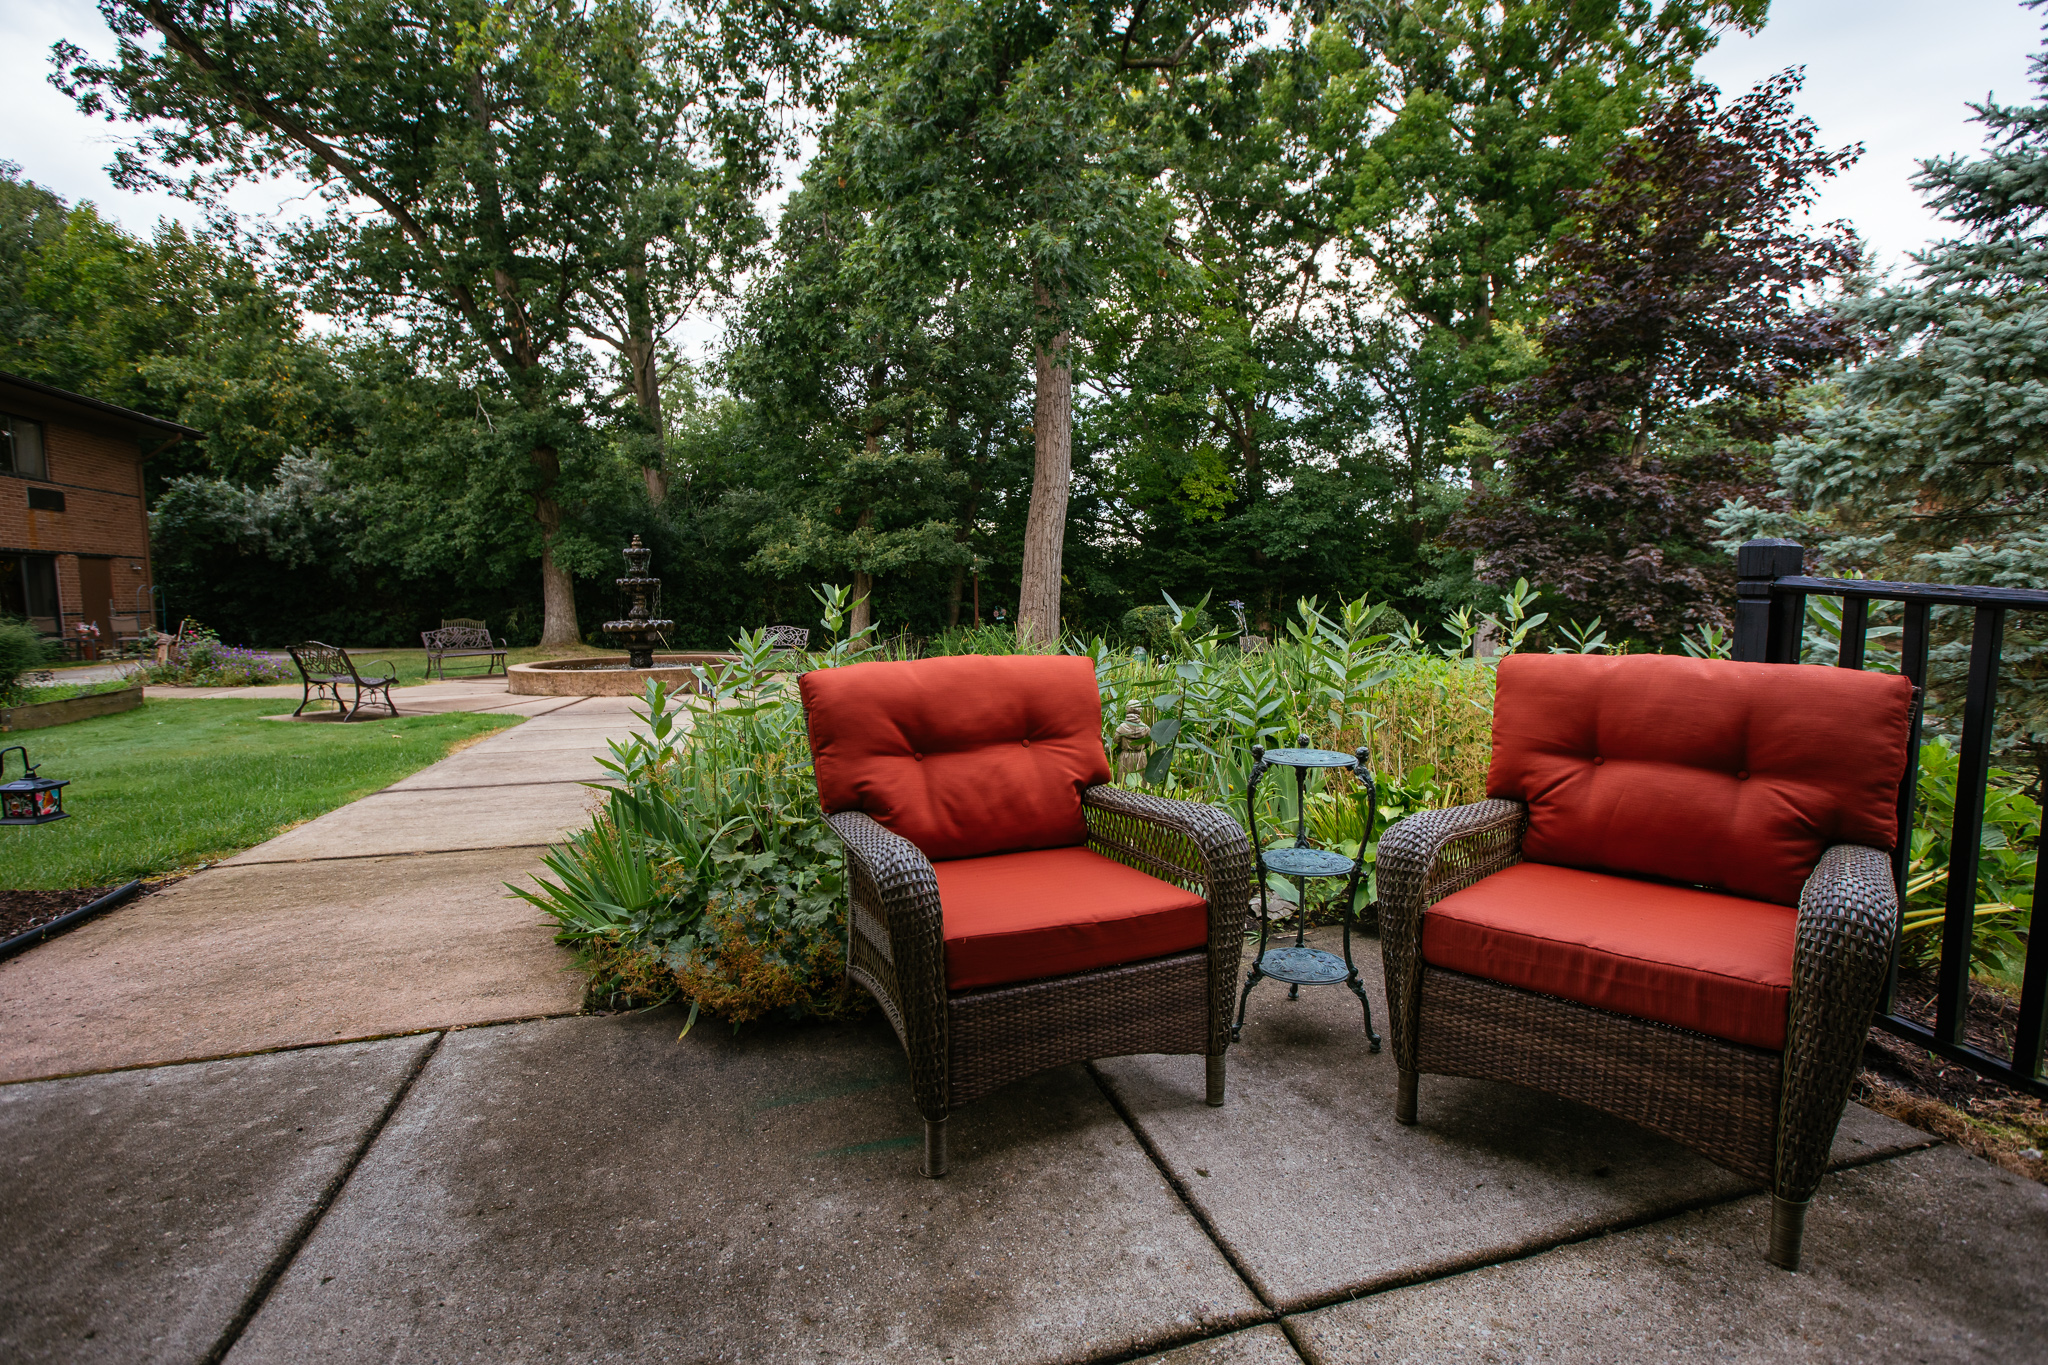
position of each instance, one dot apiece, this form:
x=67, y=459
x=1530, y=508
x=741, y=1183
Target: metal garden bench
x=326, y=669
x=461, y=640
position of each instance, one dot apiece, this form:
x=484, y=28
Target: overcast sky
x=1892, y=74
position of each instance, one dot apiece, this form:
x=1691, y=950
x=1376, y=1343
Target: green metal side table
x=1297, y=964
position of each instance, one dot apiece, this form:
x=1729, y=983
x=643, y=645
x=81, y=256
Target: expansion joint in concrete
x=1180, y=1190
x=289, y=1251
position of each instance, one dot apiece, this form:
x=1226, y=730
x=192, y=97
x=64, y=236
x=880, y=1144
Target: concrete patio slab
x=479, y=767
x=142, y=1209
x=393, y=822
x=240, y=959
x=538, y=736
x=1262, y=1345
x=1319, y=1193
x=592, y=1188
x=1935, y=1256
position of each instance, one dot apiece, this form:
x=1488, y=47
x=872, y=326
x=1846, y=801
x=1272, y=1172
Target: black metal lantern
x=32, y=800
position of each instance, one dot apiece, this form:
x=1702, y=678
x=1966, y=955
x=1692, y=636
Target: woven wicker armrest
x=895, y=910
x=1848, y=917
x=1184, y=842
x=1421, y=860
x=1191, y=845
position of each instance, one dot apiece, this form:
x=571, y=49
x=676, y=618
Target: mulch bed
x=21, y=911
x=1948, y=1099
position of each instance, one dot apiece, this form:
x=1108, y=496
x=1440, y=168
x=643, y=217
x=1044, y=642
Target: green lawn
x=191, y=781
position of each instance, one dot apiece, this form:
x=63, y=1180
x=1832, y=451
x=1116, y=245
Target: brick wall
x=100, y=475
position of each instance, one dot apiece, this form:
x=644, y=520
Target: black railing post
x=1913, y=664
x=2033, y=1029
x=1973, y=771
x=1767, y=624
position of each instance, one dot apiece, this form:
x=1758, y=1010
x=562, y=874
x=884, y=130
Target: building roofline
x=97, y=406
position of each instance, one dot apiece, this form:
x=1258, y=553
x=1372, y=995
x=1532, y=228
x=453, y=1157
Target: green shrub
x=22, y=651
x=2007, y=855
x=711, y=874
x=1162, y=629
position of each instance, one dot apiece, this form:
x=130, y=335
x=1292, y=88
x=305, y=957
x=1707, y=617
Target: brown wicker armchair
x=1510, y=957
x=941, y=749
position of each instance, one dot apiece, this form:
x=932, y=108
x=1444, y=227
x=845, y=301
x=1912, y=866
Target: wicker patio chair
x=1010, y=910
x=1675, y=906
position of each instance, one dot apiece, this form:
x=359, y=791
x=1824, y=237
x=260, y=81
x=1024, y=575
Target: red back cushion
x=962, y=756
x=1699, y=771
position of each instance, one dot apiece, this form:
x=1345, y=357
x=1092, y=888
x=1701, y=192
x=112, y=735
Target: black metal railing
x=1770, y=621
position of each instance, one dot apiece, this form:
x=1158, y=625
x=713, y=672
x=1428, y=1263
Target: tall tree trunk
x=964, y=537
x=863, y=581
x=557, y=589
x=1045, y=530
x=643, y=353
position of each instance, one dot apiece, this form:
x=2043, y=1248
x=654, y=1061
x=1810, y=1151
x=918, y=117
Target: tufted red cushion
x=962, y=756
x=1051, y=912
x=1710, y=963
x=1700, y=771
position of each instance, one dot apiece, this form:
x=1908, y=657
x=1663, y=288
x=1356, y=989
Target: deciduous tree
x=1683, y=320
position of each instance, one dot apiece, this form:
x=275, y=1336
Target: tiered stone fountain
x=638, y=631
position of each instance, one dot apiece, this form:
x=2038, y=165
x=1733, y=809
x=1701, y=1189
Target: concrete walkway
x=595, y=1188
x=387, y=915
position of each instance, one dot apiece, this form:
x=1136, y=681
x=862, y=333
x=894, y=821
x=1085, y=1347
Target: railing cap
x=1769, y=558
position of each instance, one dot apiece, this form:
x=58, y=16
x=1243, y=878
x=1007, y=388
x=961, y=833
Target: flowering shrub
x=206, y=662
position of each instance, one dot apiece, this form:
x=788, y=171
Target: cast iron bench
x=462, y=642
x=326, y=669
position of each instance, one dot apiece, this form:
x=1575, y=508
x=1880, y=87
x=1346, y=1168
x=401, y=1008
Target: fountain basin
x=608, y=675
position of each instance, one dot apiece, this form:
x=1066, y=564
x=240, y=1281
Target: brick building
x=74, y=533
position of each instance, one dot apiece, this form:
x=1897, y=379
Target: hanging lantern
x=32, y=800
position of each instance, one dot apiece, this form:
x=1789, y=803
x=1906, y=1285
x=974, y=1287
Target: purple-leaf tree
x=1685, y=315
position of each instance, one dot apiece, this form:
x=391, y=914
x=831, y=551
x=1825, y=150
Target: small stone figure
x=1131, y=738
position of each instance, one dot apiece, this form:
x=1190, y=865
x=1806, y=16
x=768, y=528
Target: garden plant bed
x=1948, y=1099
x=24, y=910
x=80, y=703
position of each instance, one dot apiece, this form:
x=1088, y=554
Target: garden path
x=384, y=916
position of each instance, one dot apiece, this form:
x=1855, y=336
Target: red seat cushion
x=963, y=756
x=1699, y=771
x=1022, y=916
x=1702, y=961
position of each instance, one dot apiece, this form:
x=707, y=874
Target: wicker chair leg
x=935, y=1147
x=1404, y=1098
x=1788, y=1230
x=1216, y=1079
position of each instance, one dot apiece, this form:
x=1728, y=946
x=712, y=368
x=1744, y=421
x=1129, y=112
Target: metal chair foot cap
x=935, y=1148
x=1215, y=1096
x=1405, y=1097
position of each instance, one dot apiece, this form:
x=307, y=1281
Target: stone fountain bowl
x=608, y=675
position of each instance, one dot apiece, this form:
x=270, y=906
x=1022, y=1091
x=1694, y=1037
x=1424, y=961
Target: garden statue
x=1131, y=737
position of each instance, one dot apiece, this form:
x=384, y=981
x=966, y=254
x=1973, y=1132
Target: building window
x=21, y=450
x=45, y=500
x=28, y=589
